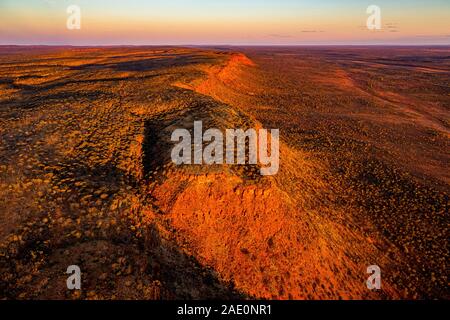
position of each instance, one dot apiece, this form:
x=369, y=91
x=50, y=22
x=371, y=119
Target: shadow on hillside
x=150, y=64
x=152, y=258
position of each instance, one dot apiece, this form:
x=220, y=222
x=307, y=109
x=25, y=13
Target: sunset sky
x=236, y=22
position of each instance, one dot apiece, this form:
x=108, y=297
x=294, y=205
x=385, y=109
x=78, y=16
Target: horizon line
x=235, y=45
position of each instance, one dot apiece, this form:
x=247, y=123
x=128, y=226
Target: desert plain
x=86, y=176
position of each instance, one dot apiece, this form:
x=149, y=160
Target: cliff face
x=272, y=236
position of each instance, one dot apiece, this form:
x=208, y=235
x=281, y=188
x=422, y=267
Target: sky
x=224, y=22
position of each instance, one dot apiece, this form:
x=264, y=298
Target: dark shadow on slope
x=157, y=145
x=182, y=275
x=153, y=260
x=149, y=64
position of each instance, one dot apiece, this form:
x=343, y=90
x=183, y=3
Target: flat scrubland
x=86, y=177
